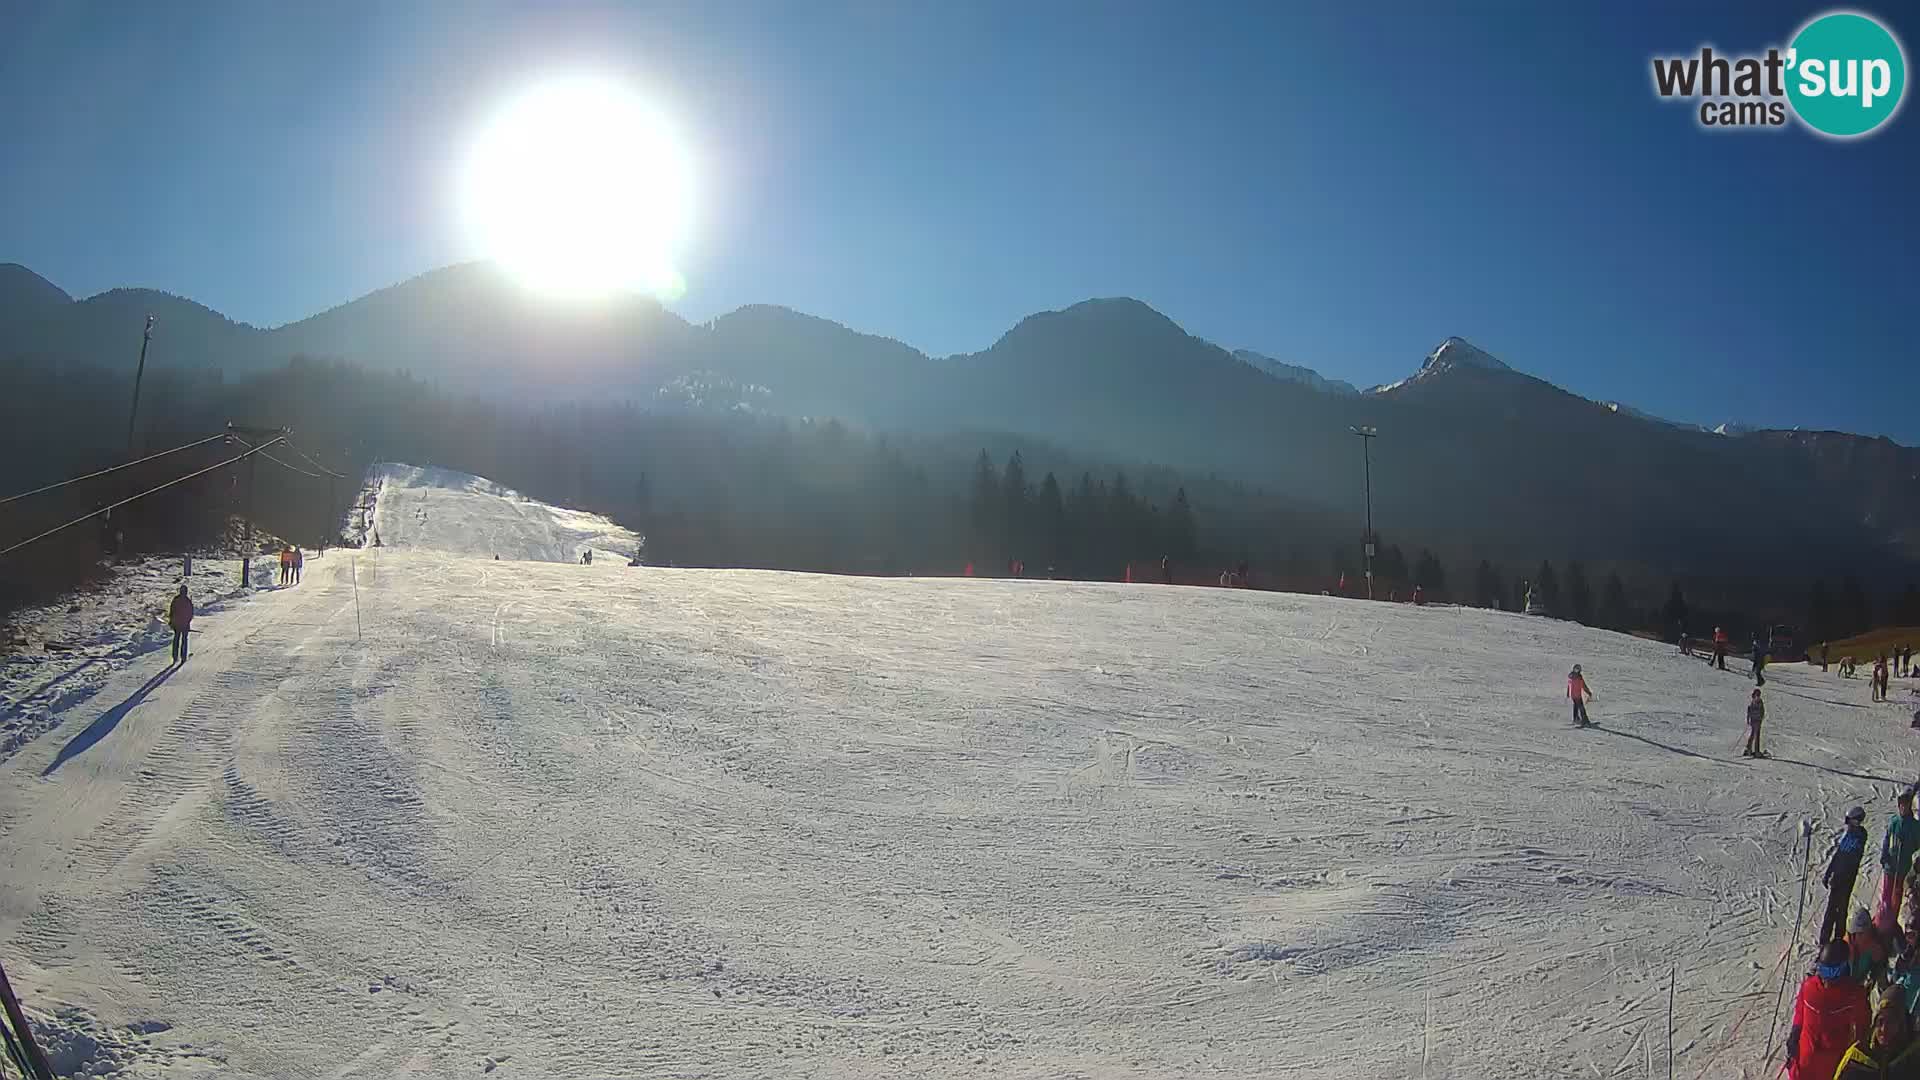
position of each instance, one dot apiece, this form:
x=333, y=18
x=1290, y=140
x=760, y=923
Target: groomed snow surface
x=546, y=820
x=467, y=515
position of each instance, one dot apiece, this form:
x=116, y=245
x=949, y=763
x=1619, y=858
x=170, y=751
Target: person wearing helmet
x=1843, y=867
x=1578, y=690
x=1868, y=948
x=1756, y=712
x=1830, y=1013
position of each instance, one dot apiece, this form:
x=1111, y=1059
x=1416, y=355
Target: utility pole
x=138, y=372
x=1367, y=435
x=254, y=438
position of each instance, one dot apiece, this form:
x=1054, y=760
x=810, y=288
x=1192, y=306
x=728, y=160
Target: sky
x=1340, y=185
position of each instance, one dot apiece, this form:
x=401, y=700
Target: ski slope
x=468, y=515
x=545, y=820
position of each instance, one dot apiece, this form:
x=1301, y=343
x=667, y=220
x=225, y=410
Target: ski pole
x=1806, y=831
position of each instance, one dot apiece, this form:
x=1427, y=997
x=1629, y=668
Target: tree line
x=722, y=484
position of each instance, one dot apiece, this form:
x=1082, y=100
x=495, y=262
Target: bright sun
x=580, y=188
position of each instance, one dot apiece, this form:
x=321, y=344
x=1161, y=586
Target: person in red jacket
x=1578, y=690
x=1830, y=1013
x=180, y=618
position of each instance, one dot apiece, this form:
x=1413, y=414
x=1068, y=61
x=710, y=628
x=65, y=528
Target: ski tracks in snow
x=558, y=820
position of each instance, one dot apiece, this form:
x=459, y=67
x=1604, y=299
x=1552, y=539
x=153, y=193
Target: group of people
x=292, y=559
x=1855, y=1009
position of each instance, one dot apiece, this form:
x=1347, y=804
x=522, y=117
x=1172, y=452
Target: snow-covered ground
x=545, y=820
x=468, y=515
x=59, y=655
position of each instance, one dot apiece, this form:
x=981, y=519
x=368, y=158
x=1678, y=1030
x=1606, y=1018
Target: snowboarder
x=1830, y=1013
x=1720, y=648
x=1578, y=690
x=180, y=618
x=1756, y=712
x=1896, y=855
x=1843, y=867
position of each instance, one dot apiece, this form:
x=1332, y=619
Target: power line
x=315, y=464
x=292, y=468
x=142, y=495
x=116, y=468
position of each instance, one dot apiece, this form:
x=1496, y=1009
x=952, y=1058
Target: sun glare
x=580, y=188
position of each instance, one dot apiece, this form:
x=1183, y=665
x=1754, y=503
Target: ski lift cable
x=292, y=468
x=105, y=509
x=309, y=460
x=115, y=468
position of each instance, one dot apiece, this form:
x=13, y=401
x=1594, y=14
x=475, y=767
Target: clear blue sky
x=1337, y=184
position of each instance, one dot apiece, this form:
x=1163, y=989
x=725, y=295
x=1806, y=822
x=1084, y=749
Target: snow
x=61, y=654
x=1452, y=353
x=429, y=814
x=464, y=514
x=1286, y=372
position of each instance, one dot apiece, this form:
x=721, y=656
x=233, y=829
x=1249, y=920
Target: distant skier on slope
x=1830, y=1013
x=1756, y=712
x=1581, y=693
x=1759, y=662
x=1823, y=656
x=1720, y=648
x=1896, y=857
x=180, y=618
x=1843, y=867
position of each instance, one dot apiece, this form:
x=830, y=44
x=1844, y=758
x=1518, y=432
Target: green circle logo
x=1846, y=74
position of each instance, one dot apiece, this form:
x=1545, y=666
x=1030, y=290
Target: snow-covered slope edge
x=445, y=510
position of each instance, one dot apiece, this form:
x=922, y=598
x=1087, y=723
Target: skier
x=1830, y=1013
x=1896, y=855
x=1878, y=680
x=1867, y=947
x=1756, y=712
x=180, y=618
x=1720, y=648
x=1823, y=656
x=586, y=557
x=1843, y=867
x=1578, y=690
x=1891, y=1032
x=1759, y=662
x=1166, y=569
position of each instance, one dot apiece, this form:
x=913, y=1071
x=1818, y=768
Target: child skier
x=1756, y=712
x=1578, y=690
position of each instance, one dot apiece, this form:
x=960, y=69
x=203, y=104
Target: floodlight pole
x=1367, y=435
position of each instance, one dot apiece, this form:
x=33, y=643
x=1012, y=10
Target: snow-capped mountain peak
x=1455, y=352
x=1459, y=352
